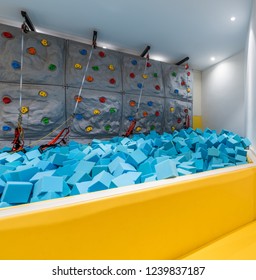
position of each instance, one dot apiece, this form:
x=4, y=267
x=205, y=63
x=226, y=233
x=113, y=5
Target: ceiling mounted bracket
x=27, y=25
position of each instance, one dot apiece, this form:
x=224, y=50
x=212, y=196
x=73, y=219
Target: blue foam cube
x=136, y=157
x=17, y=192
x=166, y=169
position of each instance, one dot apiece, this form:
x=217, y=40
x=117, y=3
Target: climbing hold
x=130, y=118
x=6, y=100
x=112, y=81
x=157, y=113
x=52, y=67
x=16, y=65
x=152, y=127
x=139, y=85
x=78, y=98
x=172, y=109
x=183, y=83
x=145, y=114
x=24, y=110
x=134, y=62
x=6, y=128
x=45, y=120
x=174, y=74
x=186, y=111
x=132, y=103
x=179, y=120
x=79, y=117
x=102, y=54
x=132, y=75
x=83, y=52
x=96, y=112
x=157, y=87
x=150, y=103
x=188, y=73
x=173, y=128
x=107, y=127
x=42, y=93
x=89, y=128
x=78, y=66
x=95, y=68
x=155, y=75
x=7, y=35
x=144, y=76
x=188, y=90
x=102, y=99
x=138, y=129
x=44, y=42
x=148, y=64
x=186, y=66
x=111, y=67
x=31, y=51
x=89, y=79
x=176, y=91
x=112, y=110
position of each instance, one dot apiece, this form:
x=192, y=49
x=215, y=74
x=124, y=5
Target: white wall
x=197, y=93
x=250, y=89
x=223, y=98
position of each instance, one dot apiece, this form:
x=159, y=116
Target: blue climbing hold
x=6, y=128
x=83, y=52
x=16, y=65
x=130, y=118
x=150, y=103
x=134, y=62
x=176, y=91
x=139, y=85
x=79, y=117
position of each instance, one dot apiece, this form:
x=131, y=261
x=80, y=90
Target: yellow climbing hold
x=173, y=128
x=78, y=66
x=44, y=42
x=138, y=129
x=96, y=112
x=24, y=109
x=144, y=76
x=111, y=67
x=43, y=93
x=188, y=90
x=172, y=109
x=89, y=128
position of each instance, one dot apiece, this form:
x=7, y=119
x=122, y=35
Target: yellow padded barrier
x=165, y=222
x=238, y=245
x=197, y=122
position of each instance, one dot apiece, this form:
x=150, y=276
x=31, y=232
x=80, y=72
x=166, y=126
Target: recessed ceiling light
x=233, y=18
x=212, y=58
x=104, y=47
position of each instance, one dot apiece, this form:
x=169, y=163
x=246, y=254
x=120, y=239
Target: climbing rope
x=134, y=121
x=18, y=141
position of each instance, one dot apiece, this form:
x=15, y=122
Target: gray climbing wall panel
x=52, y=75
x=98, y=113
x=44, y=57
x=44, y=104
x=103, y=69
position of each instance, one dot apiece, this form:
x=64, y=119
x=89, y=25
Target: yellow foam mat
x=238, y=245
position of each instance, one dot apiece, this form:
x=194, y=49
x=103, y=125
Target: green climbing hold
x=95, y=68
x=112, y=110
x=45, y=120
x=152, y=127
x=107, y=127
x=174, y=74
x=155, y=75
x=52, y=67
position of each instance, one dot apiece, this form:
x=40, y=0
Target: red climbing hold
x=6, y=100
x=186, y=66
x=132, y=75
x=102, y=99
x=188, y=73
x=157, y=114
x=183, y=83
x=102, y=54
x=7, y=35
x=157, y=87
x=185, y=111
x=148, y=64
x=112, y=81
x=179, y=120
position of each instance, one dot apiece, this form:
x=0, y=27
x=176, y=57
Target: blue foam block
x=112, y=166
x=100, y=182
x=123, y=167
x=183, y=172
x=67, y=170
x=45, y=165
x=166, y=169
x=17, y=192
x=40, y=175
x=80, y=188
x=146, y=168
x=14, y=157
x=48, y=184
x=121, y=181
x=33, y=154
x=98, y=168
x=240, y=151
x=58, y=159
x=150, y=178
x=79, y=176
x=136, y=157
x=246, y=142
x=85, y=166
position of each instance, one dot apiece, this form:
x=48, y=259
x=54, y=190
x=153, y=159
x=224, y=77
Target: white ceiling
x=174, y=29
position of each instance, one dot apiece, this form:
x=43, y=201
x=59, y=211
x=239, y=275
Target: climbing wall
x=116, y=86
